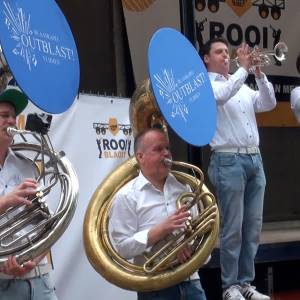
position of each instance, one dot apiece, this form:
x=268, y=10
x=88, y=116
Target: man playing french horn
x=144, y=212
x=29, y=281
x=236, y=169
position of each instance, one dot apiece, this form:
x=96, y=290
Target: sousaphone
x=179, y=88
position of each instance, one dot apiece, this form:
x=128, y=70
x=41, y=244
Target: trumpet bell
x=280, y=51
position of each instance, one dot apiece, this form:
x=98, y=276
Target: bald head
x=139, y=142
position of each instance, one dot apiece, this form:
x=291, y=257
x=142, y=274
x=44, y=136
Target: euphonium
x=27, y=232
x=160, y=269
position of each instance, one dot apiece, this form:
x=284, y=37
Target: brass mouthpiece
x=12, y=131
x=168, y=162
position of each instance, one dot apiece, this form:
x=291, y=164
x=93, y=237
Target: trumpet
x=263, y=58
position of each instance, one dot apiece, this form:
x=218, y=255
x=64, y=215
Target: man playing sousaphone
x=31, y=280
x=236, y=169
x=144, y=212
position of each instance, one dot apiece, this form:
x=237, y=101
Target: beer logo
x=113, y=139
x=29, y=42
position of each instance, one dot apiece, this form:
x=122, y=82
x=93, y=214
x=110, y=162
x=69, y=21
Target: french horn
x=160, y=269
x=29, y=231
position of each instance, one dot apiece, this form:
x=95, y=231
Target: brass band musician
x=236, y=169
x=144, y=212
x=30, y=280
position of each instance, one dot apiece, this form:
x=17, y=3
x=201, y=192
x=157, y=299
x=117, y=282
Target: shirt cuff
x=262, y=80
x=142, y=236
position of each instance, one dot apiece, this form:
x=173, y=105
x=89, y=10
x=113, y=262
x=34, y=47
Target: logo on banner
x=113, y=139
x=240, y=6
x=236, y=31
x=176, y=91
x=29, y=42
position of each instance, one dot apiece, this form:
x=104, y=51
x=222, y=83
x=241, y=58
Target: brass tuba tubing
x=201, y=226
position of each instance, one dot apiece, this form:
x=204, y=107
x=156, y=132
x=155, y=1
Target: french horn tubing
x=160, y=269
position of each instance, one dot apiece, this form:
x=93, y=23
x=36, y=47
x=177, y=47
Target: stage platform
x=289, y=295
x=277, y=263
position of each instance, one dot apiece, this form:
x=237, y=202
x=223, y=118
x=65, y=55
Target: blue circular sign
x=182, y=87
x=40, y=51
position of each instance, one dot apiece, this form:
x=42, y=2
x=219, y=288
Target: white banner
x=96, y=136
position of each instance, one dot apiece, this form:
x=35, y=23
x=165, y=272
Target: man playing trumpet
x=236, y=169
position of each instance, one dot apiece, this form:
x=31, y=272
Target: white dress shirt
x=14, y=170
x=137, y=207
x=236, y=108
x=295, y=102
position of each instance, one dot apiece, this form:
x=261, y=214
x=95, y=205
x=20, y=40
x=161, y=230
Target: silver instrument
x=29, y=231
x=263, y=58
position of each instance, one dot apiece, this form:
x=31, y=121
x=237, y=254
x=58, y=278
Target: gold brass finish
x=161, y=269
